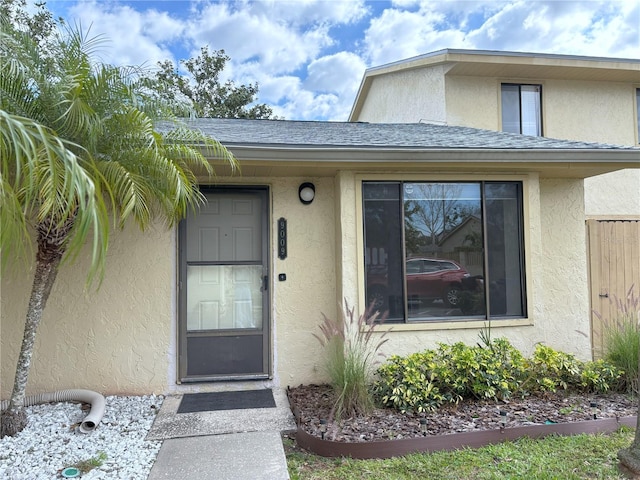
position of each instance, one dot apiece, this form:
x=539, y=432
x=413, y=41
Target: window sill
x=453, y=325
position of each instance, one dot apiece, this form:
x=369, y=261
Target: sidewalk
x=222, y=445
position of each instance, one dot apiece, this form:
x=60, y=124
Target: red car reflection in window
x=432, y=279
x=427, y=279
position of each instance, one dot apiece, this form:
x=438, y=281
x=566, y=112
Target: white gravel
x=50, y=442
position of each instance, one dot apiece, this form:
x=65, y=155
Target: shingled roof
x=313, y=134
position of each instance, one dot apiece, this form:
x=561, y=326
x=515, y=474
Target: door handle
x=265, y=283
x=604, y=295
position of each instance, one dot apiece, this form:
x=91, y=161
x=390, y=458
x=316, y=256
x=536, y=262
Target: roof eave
x=421, y=154
x=462, y=56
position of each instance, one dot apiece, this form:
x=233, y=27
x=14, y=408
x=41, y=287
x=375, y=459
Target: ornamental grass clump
x=351, y=347
x=622, y=339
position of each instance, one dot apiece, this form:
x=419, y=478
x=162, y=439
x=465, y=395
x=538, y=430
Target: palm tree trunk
x=48, y=256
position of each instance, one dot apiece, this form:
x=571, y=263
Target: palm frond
x=78, y=136
x=209, y=147
x=130, y=193
x=42, y=178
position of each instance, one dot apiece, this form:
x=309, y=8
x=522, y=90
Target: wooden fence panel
x=614, y=269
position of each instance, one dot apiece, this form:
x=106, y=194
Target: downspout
x=95, y=399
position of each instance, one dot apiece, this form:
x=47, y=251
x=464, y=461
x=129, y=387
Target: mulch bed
x=315, y=402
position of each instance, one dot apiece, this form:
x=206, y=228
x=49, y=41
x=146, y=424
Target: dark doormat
x=205, y=402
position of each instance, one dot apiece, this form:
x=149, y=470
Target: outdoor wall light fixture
x=307, y=192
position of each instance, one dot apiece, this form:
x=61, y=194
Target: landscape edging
x=452, y=441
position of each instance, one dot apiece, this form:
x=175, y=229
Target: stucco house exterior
x=323, y=212
x=589, y=99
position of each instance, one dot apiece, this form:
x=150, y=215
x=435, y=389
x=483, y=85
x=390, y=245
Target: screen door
x=223, y=321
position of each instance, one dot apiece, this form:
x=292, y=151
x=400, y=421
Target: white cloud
x=308, y=56
x=134, y=38
x=248, y=31
x=593, y=28
x=302, y=13
x=334, y=73
x=270, y=41
x=160, y=27
x=398, y=34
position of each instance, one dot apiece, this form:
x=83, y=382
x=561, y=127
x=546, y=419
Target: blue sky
x=308, y=56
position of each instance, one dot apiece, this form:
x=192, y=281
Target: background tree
x=78, y=140
x=203, y=93
x=430, y=208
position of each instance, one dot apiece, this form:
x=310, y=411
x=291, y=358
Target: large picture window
x=444, y=250
x=521, y=109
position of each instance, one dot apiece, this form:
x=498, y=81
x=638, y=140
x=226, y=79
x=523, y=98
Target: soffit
x=538, y=71
x=514, y=64
x=327, y=164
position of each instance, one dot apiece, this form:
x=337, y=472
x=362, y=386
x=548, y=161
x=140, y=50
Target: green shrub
x=425, y=381
x=550, y=370
x=490, y=371
x=350, y=347
x=496, y=370
x=600, y=376
x=410, y=383
x=622, y=340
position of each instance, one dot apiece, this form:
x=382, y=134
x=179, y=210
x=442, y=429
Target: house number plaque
x=282, y=238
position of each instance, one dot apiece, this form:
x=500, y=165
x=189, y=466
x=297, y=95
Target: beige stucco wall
x=310, y=288
x=473, y=102
x=121, y=339
x=572, y=110
x=564, y=262
x=591, y=111
x=613, y=194
x=114, y=340
x=410, y=96
x=597, y=112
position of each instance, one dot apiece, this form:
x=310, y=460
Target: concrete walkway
x=222, y=445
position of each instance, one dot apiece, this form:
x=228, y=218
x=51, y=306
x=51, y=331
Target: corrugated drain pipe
x=96, y=400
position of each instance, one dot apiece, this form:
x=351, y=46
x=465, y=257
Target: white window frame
x=536, y=128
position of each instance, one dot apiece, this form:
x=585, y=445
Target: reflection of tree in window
x=432, y=210
x=446, y=243
x=431, y=207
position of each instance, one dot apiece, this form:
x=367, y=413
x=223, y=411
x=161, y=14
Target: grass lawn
x=562, y=458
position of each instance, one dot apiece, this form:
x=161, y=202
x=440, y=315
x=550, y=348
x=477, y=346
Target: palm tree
x=80, y=152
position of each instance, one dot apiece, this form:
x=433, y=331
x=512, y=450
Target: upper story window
x=522, y=109
x=638, y=111
x=444, y=250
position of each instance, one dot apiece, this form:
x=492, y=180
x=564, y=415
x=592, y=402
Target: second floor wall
x=593, y=111
x=578, y=98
